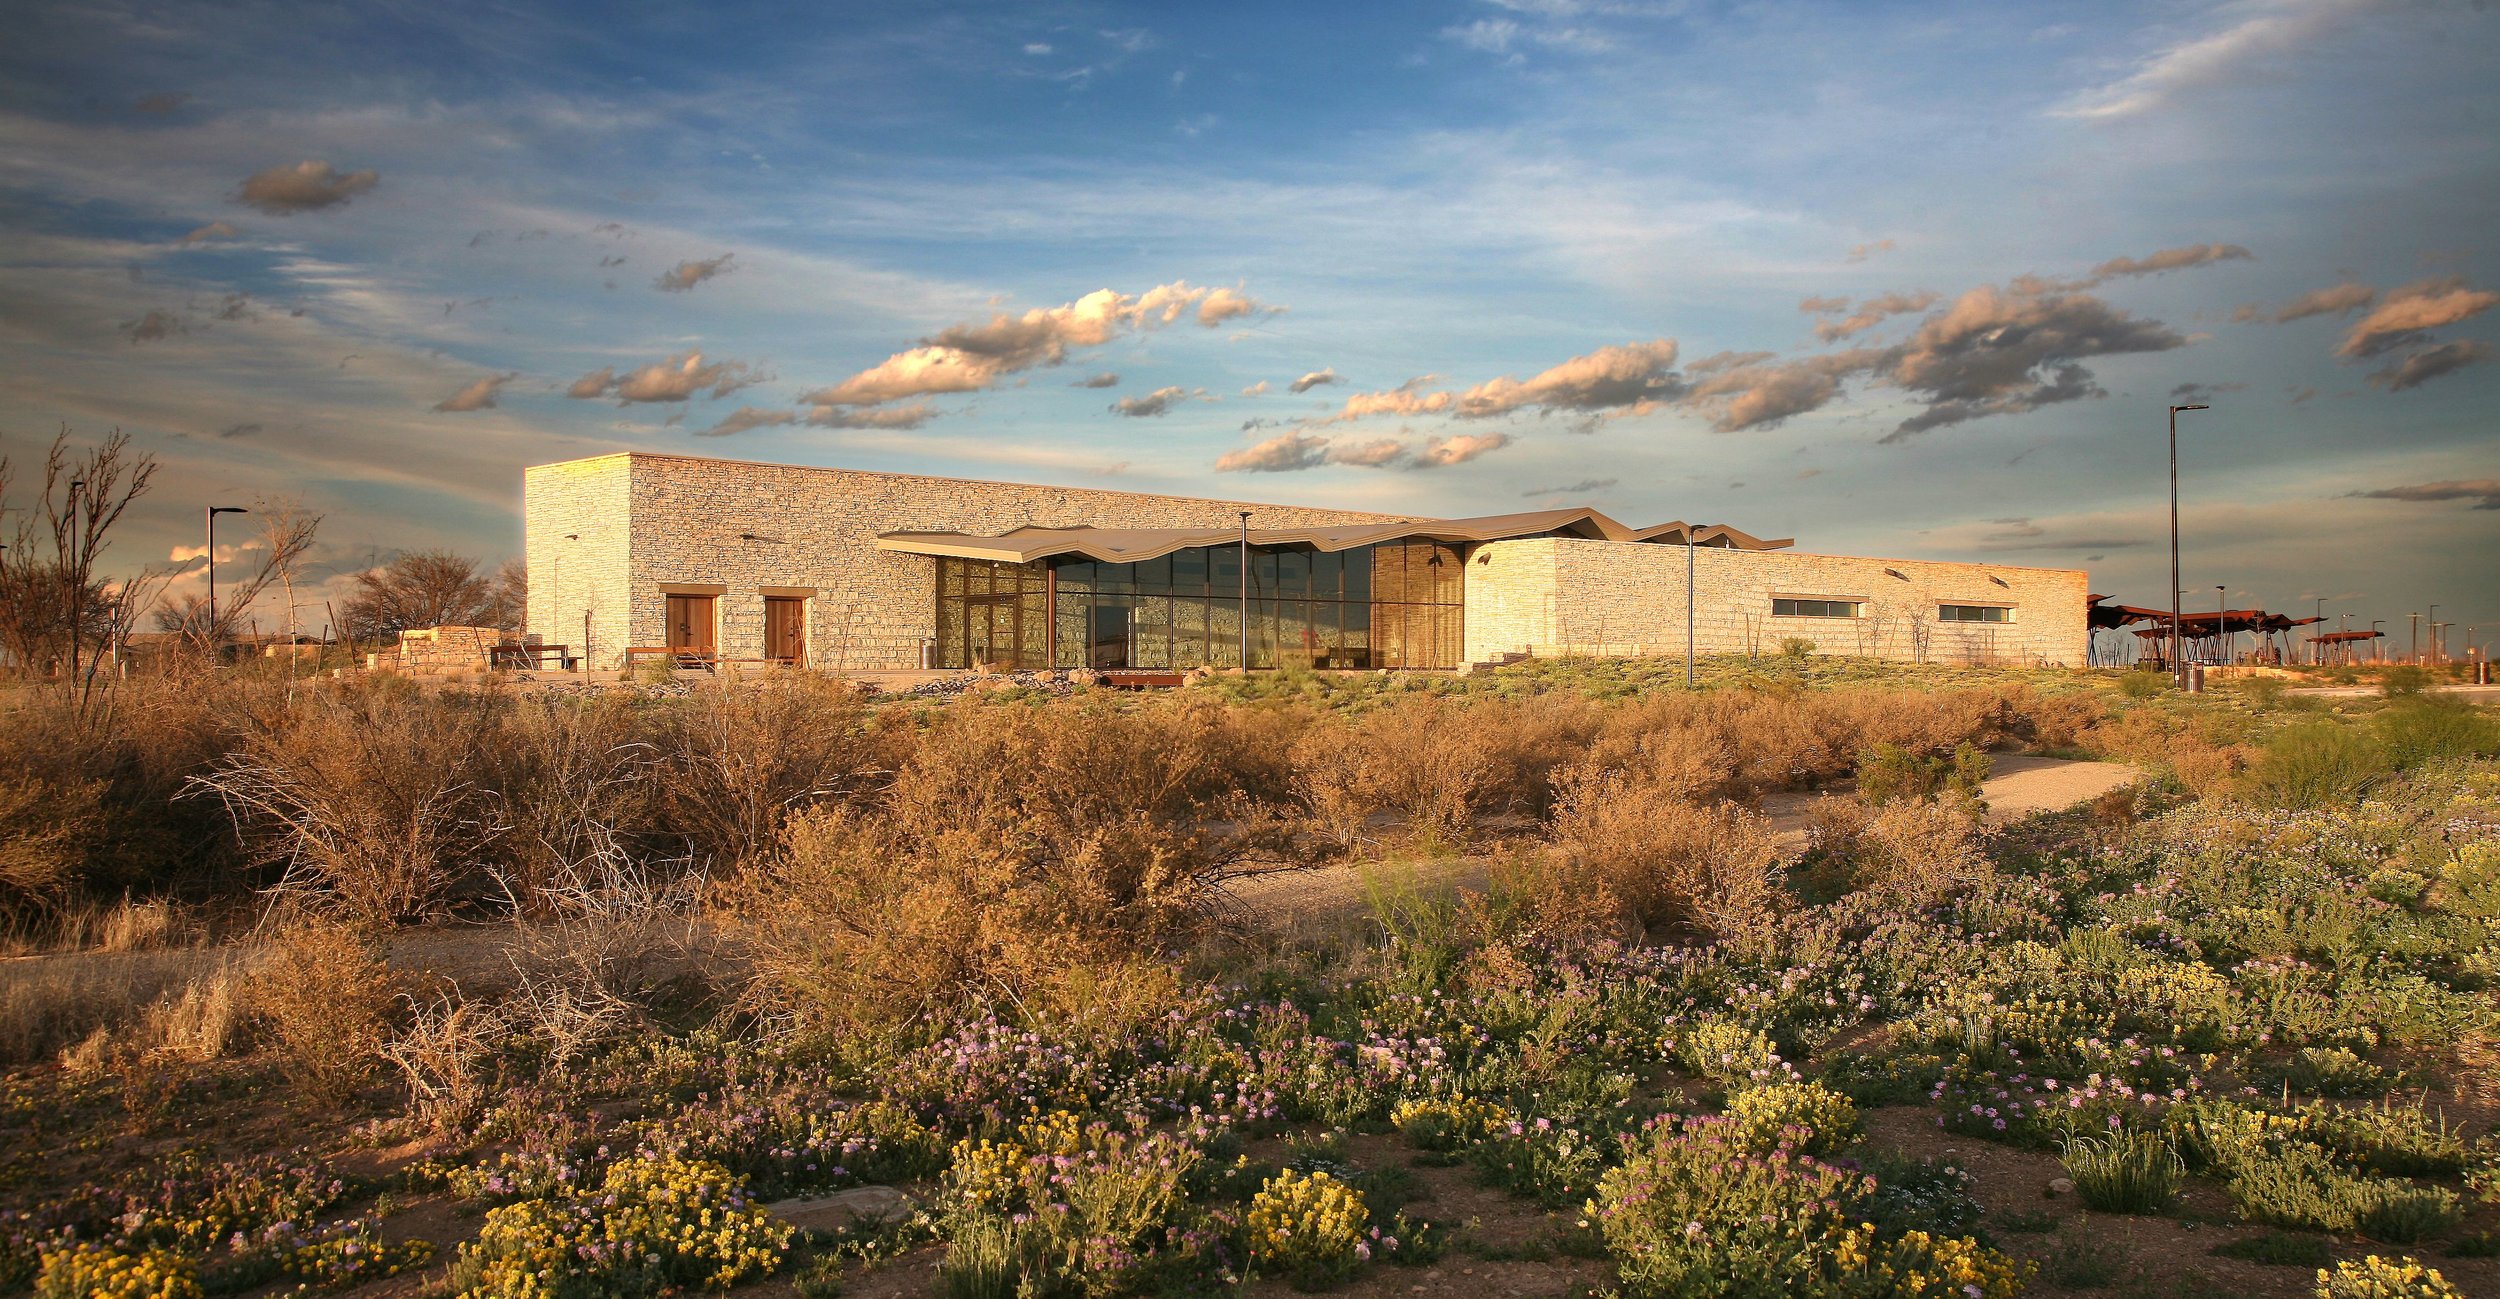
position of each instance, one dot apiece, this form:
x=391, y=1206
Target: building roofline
x=1383, y=515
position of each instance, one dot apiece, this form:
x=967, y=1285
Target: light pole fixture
x=209, y=632
x=1245, y=593
x=2178, y=668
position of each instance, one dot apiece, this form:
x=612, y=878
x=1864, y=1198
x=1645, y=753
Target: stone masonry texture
x=613, y=536
x=608, y=539
x=1555, y=596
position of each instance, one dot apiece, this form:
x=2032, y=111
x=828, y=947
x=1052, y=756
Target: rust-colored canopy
x=1129, y=545
x=2341, y=637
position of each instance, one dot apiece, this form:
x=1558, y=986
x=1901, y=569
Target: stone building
x=851, y=570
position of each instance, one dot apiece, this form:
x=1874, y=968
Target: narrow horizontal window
x=1974, y=613
x=1786, y=608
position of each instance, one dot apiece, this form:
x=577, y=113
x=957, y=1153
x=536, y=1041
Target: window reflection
x=1396, y=605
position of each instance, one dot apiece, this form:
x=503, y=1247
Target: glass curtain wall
x=1398, y=605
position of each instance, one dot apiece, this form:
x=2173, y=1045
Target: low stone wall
x=434, y=651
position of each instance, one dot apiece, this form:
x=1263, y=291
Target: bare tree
x=51, y=603
x=431, y=588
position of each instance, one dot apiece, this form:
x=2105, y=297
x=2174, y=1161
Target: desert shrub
x=369, y=804
x=651, y=1224
x=1311, y=1230
x=1083, y=1207
x=2123, y=1172
x=1909, y=854
x=2261, y=692
x=1805, y=1117
x=1446, y=1124
x=2419, y=730
x=579, y=784
x=87, y=1271
x=2403, y=681
x=1889, y=773
x=738, y=759
x=2140, y=683
x=446, y=1055
x=320, y=997
x=1554, y=1164
x=1435, y=763
x=2314, y=764
x=1692, y=1212
x=1795, y=648
x=1919, y=1195
x=2378, y=1278
x=1668, y=862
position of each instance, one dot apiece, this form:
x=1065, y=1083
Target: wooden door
x=785, y=628
x=690, y=624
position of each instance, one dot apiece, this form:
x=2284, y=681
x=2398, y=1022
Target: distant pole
x=2317, y=659
x=1245, y=593
x=2433, y=620
x=1689, y=569
x=2414, y=634
x=2222, y=627
x=77, y=581
x=2178, y=667
x=2378, y=648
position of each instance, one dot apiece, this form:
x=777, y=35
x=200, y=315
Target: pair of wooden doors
x=692, y=627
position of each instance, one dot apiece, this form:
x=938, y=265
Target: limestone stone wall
x=1550, y=596
x=740, y=531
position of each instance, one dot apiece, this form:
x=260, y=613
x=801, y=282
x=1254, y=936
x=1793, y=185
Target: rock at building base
x=825, y=1213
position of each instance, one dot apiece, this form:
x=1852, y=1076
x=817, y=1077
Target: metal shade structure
x=1131, y=545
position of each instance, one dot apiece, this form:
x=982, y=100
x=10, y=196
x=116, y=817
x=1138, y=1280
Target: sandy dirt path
x=2020, y=787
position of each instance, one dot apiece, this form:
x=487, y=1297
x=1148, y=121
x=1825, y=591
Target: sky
x=1910, y=280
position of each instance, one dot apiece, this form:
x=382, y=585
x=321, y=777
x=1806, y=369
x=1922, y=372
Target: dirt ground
x=2020, y=787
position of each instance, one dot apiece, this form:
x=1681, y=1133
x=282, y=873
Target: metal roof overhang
x=1129, y=545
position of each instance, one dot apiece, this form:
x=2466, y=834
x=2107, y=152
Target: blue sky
x=1893, y=279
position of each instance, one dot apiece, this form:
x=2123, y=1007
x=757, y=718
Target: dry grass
x=51, y=1003
x=1663, y=861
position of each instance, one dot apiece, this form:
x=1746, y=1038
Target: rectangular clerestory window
x=1974, y=613
x=1786, y=607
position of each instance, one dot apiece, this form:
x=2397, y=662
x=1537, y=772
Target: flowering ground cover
x=2182, y=1045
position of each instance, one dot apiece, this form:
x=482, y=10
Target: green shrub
x=2297, y=1185
x=2403, y=681
x=2142, y=684
x=2401, y=1213
x=653, y=1222
x=2123, y=1172
x=2377, y=1278
x=1693, y=1211
x=2261, y=692
x=1889, y=773
x=2420, y=730
x=2333, y=1071
x=1795, y=648
x=1808, y=1118
x=1311, y=1230
x=2315, y=764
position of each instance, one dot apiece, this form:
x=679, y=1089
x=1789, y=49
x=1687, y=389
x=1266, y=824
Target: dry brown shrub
x=2164, y=741
x=2058, y=721
x=1437, y=764
x=578, y=785
x=1912, y=853
x=738, y=759
x=446, y=1056
x=371, y=804
x=1026, y=855
x=1664, y=860
x=321, y=998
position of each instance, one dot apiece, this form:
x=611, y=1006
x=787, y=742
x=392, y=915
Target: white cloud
x=971, y=357
x=304, y=187
x=2409, y=312
x=1316, y=379
x=2273, y=29
x=1157, y=402
x=678, y=378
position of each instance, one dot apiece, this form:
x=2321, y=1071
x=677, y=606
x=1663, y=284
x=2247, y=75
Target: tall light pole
x=2178, y=668
x=2222, y=626
x=2377, y=646
x=2413, y=633
x=1688, y=606
x=2317, y=659
x=1245, y=593
x=209, y=633
x=2433, y=620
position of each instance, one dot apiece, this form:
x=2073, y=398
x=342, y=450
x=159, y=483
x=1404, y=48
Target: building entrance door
x=690, y=625
x=785, y=629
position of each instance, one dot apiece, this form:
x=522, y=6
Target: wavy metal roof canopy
x=1129, y=545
